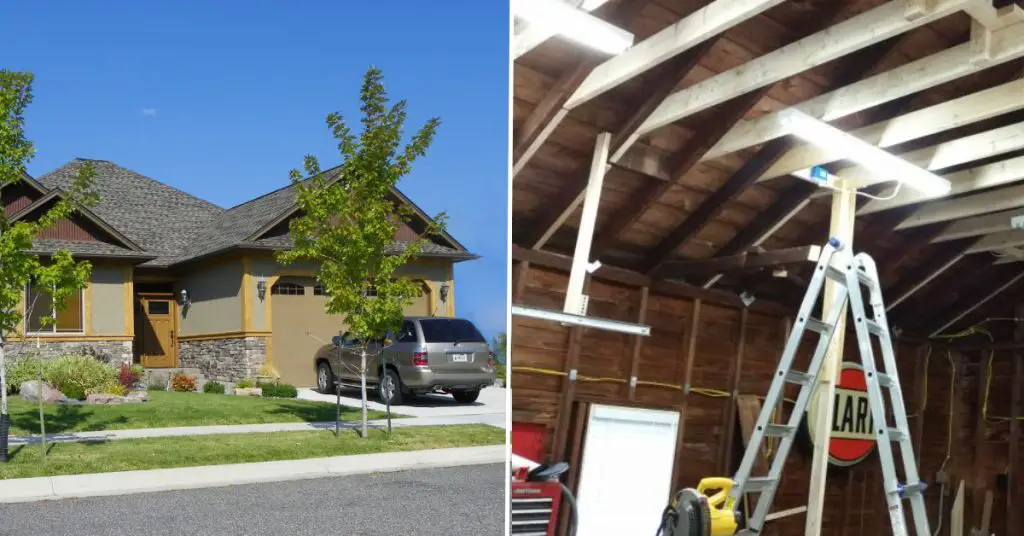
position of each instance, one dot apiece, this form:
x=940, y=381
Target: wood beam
x=966, y=181
x=734, y=390
x=914, y=77
x=945, y=116
x=965, y=207
x=852, y=69
x=745, y=261
x=622, y=276
x=684, y=394
x=995, y=18
x=978, y=226
x=638, y=344
x=915, y=280
x=581, y=255
x=531, y=36
x=570, y=195
x=550, y=112
x=705, y=23
x=830, y=44
x=998, y=241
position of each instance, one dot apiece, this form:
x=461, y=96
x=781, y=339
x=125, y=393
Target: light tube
x=883, y=163
x=558, y=17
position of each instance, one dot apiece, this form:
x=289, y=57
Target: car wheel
x=390, y=388
x=466, y=397
x=324, y=378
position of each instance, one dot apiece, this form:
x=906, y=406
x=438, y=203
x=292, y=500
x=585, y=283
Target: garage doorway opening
x=626, y=469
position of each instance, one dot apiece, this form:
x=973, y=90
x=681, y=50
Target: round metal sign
x=852, y=439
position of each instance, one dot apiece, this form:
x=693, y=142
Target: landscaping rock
x=30, y=391
x=137, y=396
x=139, y=386
x=252, y=391
x=104, y=399
x=70, y=402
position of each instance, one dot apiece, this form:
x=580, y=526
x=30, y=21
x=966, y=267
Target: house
x=180, y=282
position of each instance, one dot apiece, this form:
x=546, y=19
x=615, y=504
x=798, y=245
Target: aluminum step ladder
x=849, y=271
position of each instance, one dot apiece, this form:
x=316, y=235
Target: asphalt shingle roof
x=174, y=226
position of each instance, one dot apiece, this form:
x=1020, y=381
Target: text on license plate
x=460, y=358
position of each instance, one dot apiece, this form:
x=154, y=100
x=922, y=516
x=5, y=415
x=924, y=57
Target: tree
x=348, y=219
x=499, y=345
x=62, y=275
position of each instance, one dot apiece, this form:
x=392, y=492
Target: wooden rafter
x=570, y=194
x=745, y=261
x=994, y=283
x=899, y=292
x=853, y=69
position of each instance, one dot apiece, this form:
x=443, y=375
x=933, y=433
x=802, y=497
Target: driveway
x=492, y=401
x=458, y=501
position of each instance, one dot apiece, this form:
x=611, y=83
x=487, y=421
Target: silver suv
x=429, y=355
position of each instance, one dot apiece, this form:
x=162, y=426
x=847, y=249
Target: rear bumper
x=425, y=379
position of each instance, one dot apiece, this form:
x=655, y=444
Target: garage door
x=300, y=327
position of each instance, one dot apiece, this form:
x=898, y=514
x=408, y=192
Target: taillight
x=490, y=359
x=419, y=359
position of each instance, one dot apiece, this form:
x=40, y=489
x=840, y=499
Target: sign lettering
x=852, y=438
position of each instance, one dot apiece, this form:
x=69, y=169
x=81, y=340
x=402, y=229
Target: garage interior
x=708, y=225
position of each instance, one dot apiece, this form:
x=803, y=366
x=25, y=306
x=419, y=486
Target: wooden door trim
x=145, y=297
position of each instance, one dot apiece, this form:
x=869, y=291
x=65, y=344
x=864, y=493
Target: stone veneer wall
x=115, y=352
x=226, y=360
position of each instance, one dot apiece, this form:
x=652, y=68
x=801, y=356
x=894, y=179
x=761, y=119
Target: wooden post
x=1017, y=400
x=920, y=383
x=978, y=483
x=725, y=460
x=638, y=344
x=585, y=236
x=691, y=351
x=844, y=207
x=564, y=415
x=520, y=277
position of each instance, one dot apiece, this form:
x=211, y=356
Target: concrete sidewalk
x=143, y=433
x=128, y=482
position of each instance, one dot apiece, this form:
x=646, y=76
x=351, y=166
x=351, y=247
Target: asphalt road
x=455, y=501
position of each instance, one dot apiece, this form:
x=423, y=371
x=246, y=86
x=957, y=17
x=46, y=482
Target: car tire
x=466, y=397
x=390, y=383
x=325, y=379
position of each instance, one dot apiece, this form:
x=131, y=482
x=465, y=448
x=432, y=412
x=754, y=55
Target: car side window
x=408, y=333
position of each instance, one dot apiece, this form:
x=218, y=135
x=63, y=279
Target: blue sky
x=222, y=99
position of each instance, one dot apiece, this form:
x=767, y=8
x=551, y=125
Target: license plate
x=460, y=358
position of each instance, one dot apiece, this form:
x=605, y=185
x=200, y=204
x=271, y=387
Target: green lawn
x=166, y=409
x=129, y=455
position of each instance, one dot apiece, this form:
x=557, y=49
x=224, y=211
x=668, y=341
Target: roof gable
x=82, y=226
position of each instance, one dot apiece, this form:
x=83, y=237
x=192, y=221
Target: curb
x=210, y=476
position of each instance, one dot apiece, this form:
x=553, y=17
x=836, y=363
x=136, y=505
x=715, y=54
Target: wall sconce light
x=185, y=300
x=261, y=288
x=444, y=293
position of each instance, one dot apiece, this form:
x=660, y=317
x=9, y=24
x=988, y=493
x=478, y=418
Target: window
x=159, y=308
x=39, y=305
x=450, y=330
x=318, y=290
x=288, y=289
x=408, y=333
x=371, y=291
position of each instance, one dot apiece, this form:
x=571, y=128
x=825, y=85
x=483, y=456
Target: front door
x=159, y=347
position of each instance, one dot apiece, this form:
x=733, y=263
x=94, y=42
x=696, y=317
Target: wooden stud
x=691, y=354
x=921, y=366
x=730, y=412
x=1017, y=411
x=978, y=481
x=638, y=344
x=565, y=403
x=846, y=504
x=520, y=279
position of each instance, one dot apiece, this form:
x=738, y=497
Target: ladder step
x=836, y=275
x=909, y=490
x=818, y=326
x=778, y=430
x=875, y=328
x=897, y=435
x=799, y=378
x=757, y=484
x=884, y=380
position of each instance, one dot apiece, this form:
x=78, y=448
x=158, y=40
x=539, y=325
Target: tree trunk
x=362, y=387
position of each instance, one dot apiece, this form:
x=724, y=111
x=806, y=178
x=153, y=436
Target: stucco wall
x=215, y=292
x=108, y=301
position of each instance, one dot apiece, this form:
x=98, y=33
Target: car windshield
x=450, y=330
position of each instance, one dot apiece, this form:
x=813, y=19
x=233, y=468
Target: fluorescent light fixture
x=558, y=17
x=883, y=163
x=584, y=321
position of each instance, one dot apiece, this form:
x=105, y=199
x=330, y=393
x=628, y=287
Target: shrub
x=278, y=390
x=128, y=375
x=245, y=383
x=183, y=383
x=114, y=387
x=213, y=387
x=20, y=370
x=73, y=375
x=157, y=382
